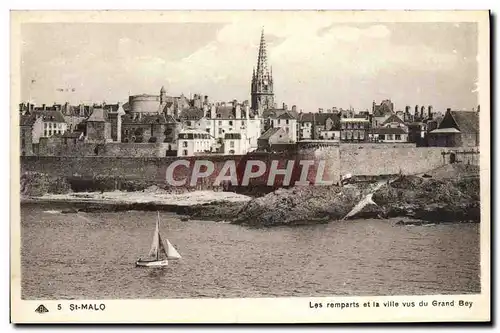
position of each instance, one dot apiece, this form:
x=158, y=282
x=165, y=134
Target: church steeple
x=262, y=58
x=262, y=80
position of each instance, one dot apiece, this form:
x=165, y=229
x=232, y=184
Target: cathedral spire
x=262, y=58
x=262, y=81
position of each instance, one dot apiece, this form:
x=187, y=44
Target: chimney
x=247, y=111
x=213, y=111
x=416, y=112
x=237, y=111
x=205, y=110
x=294, y=108
x=43, y=106
x=478, y=108
x=285, y=107
x=422, y=110
x=320, y=110
x=448, y=109
x=429, y=112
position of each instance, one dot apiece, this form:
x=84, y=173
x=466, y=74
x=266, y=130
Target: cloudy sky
x=316, y=63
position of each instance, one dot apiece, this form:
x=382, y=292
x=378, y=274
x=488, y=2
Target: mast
x=159, y=240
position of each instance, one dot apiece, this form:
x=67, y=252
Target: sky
x=316, y=63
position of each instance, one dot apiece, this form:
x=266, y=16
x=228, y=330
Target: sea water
x=92, y=256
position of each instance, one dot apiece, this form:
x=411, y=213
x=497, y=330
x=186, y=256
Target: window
x=208, y=130
x=389, y=136
x=220, y=122
x=23, y=143
x=185, y=152
x=231, y=144
x=188, y=123
x=230, y=123
x=333, y=135
x=381, y=136
x=398, y=136
x=184, y=144
x=286, y=129
x=220, y=130
x=242, y=123
x=287, y=121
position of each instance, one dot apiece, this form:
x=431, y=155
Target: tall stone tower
x=262, y=81
x=163, y=95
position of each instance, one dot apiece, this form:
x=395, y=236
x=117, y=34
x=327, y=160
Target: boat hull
x=152, y=263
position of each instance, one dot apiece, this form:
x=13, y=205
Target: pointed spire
x=262, y=58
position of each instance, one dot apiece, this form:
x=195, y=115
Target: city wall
x=68, y=147
x=327, y=164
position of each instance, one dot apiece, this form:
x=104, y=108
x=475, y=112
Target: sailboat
x=159, y=253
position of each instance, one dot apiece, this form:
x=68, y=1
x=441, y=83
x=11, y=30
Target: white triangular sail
x=172, y=252
x=156, y=241
x=158, y=247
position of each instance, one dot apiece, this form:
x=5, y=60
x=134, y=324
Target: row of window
x=53, y=125
x=353, y=135
x=197, y=143
x=220, y=123
x=354, y=125
x=389, y=137
x=51, y=132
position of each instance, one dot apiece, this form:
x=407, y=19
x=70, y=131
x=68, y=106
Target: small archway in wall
x=453, y=158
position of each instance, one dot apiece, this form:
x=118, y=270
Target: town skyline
x=199, y=58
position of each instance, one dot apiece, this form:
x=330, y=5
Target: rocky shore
x=447, y=194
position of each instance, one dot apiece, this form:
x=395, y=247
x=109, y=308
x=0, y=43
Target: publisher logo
x=41, y=309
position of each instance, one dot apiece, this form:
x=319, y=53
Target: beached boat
x=159, y=255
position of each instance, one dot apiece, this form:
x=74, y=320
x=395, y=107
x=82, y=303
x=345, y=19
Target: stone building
x=354, y=129
x=273, y=138
x=98, y=128
x=288, y=123
x=319, y=126
x=388, y=135
x=192, y=142
x=456, y=129
x=225, y=118
x=143, y=128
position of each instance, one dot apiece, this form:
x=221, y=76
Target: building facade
x=354, y=129
x=192, y=142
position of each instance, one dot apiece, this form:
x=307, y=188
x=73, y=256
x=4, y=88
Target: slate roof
x=146, y=119
x=191, y=114
x=98, y=115
x=286, y=115
x=388, y=130
x=27, y=120
x=47, y=115
x=467, y=121
x=270, y=132
x=393, y=119
x=274, y=113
